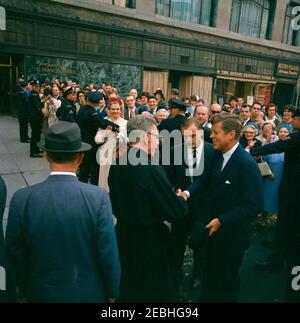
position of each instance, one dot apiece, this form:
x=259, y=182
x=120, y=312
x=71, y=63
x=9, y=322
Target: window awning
x=245, y=80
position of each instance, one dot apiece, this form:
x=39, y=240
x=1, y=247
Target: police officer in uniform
x=67, y=110
x=89, y=122
x=35, y=117
x=23, y=113
x=174, y=122
x=177, y=116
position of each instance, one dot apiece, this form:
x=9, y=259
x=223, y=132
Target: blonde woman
x=110, y=141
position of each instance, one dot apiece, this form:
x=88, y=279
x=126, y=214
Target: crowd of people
x=241, y=161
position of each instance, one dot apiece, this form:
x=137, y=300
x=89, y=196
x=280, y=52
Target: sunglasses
x=214, y=112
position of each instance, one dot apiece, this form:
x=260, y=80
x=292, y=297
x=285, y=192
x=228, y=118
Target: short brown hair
x=191, y=121
x=229, y=122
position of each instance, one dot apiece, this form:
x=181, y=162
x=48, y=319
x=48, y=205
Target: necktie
x=221, y=163
x=194, y=163
x=194, y=158
x=132, y=114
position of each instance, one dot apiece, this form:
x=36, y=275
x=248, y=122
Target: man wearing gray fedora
x=60, y=237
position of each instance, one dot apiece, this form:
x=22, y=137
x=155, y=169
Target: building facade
x=213, y=48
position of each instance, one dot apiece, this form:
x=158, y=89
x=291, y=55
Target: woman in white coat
x=110, y=141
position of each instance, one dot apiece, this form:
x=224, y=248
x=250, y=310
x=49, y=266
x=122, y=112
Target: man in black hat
x=36, y=117
x=22, y=108
x=89, y=122
x=63, y=249
x=67, y=110
x=287, y=239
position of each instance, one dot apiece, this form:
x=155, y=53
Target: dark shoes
x=36, y=155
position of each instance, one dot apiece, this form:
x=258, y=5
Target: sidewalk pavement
x=17, y=169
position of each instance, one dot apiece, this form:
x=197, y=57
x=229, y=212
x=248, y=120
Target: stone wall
x=124, y=77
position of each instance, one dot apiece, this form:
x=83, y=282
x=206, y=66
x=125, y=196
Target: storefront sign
x=288, y=70
x=245, y=75
x=2, y=19
x=54, y=68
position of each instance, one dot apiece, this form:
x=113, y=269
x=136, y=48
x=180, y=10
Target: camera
x=48, y=92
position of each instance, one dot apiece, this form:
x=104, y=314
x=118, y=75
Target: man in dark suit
x=23, y=116
x=35, y=117
x=192, y=157
x=287, y=238
x=60, y=236
x=231, y=195
x=131, y=110
x=144, y=240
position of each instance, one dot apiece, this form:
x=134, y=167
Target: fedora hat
x=64, y=137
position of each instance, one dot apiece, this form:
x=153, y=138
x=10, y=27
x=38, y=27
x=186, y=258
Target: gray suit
x=61, y=242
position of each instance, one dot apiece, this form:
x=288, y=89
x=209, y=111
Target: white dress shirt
x=226, y=157
x=63, y=173
x=228, y=154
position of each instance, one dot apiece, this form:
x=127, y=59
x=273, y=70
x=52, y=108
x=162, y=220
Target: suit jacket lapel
x=219, y=176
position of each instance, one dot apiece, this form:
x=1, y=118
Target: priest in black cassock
x=142, y=200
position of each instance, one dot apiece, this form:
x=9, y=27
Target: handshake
x=182, y=194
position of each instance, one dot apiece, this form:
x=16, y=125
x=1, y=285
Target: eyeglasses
x=214, y=112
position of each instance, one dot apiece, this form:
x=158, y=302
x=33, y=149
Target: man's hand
x=182, y=194
x=213, y=226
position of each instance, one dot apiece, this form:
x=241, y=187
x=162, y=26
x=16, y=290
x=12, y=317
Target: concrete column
x=224, y=13
x=146, y=7
x=279, y=19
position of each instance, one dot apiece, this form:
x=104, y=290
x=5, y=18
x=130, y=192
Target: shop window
x=87, y=41
x=156, y=52
x=202, y=12
x=126, y=47
x=19, y=32
x=290, y=36
x=54, y=37
x=121, y=3
x=252, y=17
